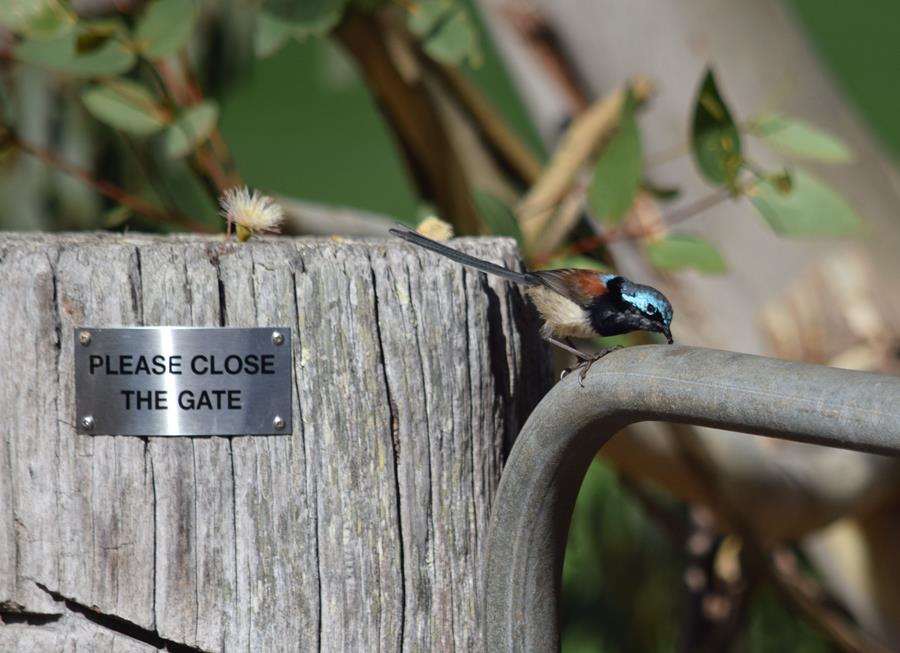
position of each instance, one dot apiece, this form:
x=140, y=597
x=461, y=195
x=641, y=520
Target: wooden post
x=362, y=531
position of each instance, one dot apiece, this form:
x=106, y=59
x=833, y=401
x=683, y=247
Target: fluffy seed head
x=251, y=209
x=435, y=228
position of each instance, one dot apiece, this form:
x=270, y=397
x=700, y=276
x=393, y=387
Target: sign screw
x=84, y=338
x=277, y=423
x=87, y=423
x=277, y=338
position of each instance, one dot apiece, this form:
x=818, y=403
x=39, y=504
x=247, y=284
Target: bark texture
x=361, y=531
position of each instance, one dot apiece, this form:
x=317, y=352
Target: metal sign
x=183, y=381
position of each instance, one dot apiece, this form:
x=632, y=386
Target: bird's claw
x=585, y=364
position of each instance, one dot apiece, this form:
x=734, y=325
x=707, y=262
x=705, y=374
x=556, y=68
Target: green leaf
x=447, y=31
x=273, y=32
x=16, y=14
x=715, y=139
x=36, y=19
x=617, y=173
x=92, y=35
x=797, y=138
x=576, y=262
x=116, y=217
x=191, y=128
x=61, y=55
x=810, y=208
x=305, y=11
x=678, y=251
x=112, y=58
x=497, y=215
x=165, y=27
x=125, y=105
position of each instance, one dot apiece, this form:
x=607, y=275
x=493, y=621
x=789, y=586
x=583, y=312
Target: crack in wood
x=119, y=625
x=148, y=456
x=298, y=267
x=8, y=617
x=395, y=442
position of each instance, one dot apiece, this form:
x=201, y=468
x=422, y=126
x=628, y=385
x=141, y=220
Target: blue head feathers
x=650, y=303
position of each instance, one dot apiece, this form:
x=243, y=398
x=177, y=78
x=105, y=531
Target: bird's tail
x=453, y=254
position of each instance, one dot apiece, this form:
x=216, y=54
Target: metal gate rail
x=737, y=392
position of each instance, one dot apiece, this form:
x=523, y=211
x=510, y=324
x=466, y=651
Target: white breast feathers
x=562, y=317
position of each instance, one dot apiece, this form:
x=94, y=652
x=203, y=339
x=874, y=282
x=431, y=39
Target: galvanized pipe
x=737, y=392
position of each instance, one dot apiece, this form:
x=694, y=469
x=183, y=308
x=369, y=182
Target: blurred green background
x=307, y=139
x=859, y=43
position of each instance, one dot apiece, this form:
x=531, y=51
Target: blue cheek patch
x=642, y=300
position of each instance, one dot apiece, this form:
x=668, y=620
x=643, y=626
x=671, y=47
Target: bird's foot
x=585, y=364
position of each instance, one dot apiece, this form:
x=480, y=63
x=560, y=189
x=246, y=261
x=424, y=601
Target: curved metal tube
x=737, y=392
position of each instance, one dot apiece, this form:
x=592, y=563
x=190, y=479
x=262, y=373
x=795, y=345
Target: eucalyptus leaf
x=165, y=27
x=680, y=251
x=16, y=14
x=191, y=128
x=270, y=34
x=273, y=32
x=36, y=19
x=125, y=105
x=809, y=208
x=61, y=55
x=305, y=11
x=93, y=34
x=87, y=42
x=497, y=215
x=715, y=139
x=447, y=31
x=617, y=173
x=797, y=138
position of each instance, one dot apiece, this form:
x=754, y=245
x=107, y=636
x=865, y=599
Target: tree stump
x=364, y=530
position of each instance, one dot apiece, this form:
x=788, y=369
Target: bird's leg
x=585, y=365
x=569, y=347
x=585, y=361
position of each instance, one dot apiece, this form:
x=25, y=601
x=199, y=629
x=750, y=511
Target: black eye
x=651, y=309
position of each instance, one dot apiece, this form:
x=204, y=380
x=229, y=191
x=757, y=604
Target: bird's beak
x=667, y=334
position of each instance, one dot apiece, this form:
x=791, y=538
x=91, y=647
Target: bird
x=572, y=302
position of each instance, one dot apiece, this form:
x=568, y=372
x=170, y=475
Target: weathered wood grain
x=68, y=635
x=361, y=531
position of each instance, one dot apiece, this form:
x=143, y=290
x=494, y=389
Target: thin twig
x=696, y=207
x=183, y=91
x=145, y=166
x=624, y=233
x=114, y=192
x=413, y=114
x=544, y=44
x=217, y=141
